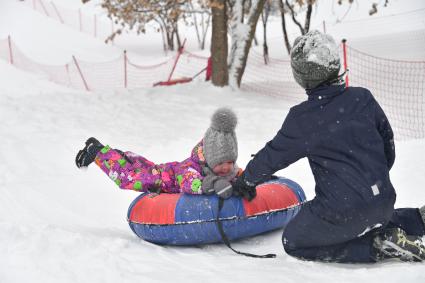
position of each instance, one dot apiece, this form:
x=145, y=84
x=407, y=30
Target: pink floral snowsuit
x=134, y=172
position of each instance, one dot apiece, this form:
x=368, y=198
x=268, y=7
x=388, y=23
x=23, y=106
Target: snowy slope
x=59, y=212
x=47, y=41
x=61, y=224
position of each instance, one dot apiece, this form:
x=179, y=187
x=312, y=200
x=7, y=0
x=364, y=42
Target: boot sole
x=405, y=255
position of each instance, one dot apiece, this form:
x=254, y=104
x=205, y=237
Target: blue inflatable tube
x=182, y=219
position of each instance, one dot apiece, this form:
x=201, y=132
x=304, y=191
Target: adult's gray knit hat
x=220, y=143
x=314, y=59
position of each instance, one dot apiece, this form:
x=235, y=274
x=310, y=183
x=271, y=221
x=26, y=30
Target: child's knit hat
x=314, y=59
x=220, y=142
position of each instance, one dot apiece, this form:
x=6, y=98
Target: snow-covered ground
x=61, y=224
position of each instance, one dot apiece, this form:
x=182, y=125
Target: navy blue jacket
x=349, y=144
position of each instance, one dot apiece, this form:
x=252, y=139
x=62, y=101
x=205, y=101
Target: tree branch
x=285, y=33
x=293, y=17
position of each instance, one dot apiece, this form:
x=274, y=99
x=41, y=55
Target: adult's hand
x=244, y=189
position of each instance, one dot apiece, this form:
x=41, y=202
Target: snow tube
x=183, y=219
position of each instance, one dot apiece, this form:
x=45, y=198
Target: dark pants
x=311, y=237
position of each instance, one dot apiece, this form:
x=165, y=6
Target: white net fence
x=398, y=85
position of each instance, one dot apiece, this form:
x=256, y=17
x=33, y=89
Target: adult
x=348, y=142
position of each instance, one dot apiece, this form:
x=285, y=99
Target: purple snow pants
x=134, y=172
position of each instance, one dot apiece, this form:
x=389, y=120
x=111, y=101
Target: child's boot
x=394, y=243
x=88, y=153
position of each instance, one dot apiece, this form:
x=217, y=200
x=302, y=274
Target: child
x=210, y=168
x=349, y=144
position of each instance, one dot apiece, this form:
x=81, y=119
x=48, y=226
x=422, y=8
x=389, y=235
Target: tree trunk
x=264, y=19
x=242, y=35
x=220, y=75
x=205, y=31
x=176, y=33
x=164, y=40
x=195, y=23
x=285, y=33
x=308, y=16
x=255, y=40
x=170, y=39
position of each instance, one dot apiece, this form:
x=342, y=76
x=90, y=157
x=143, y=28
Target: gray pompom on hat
x=220, y=143
x=314, y=59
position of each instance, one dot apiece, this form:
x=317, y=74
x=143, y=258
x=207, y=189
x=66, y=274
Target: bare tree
x=285, y=32
x=293, y=8
x=264, y=18
x=245, y=15
x=136, y=14
x=201, y=16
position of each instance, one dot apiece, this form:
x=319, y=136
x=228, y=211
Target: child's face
x=224, y=169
